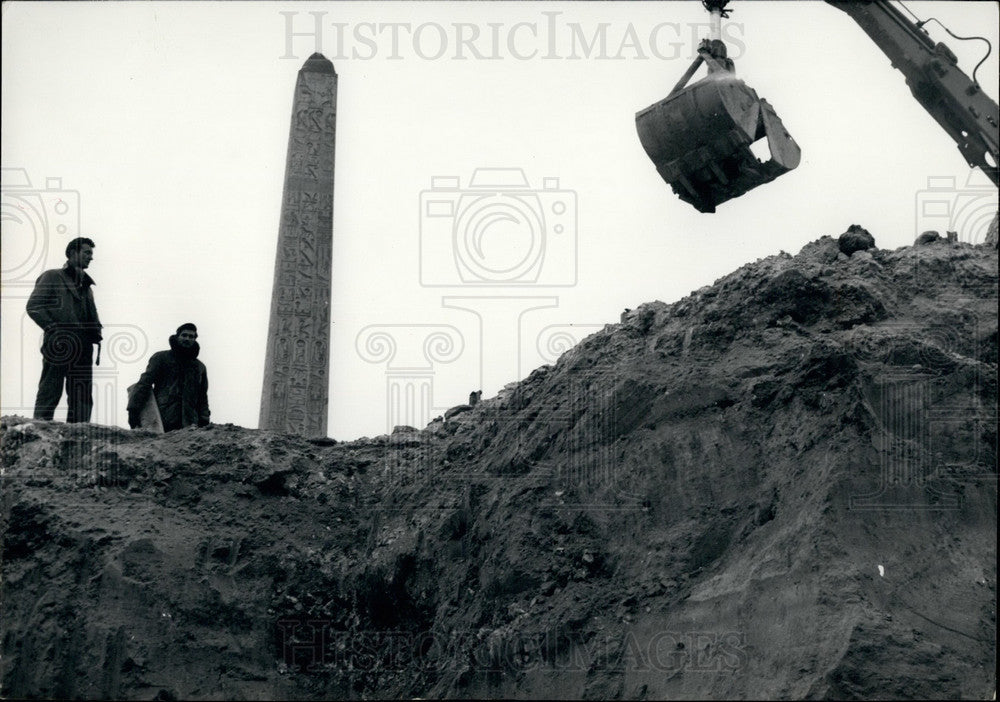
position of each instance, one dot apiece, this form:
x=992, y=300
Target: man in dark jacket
x=62, y=303
x=178, y=381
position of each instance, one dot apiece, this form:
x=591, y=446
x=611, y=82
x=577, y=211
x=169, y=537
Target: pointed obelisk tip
x=318, y=63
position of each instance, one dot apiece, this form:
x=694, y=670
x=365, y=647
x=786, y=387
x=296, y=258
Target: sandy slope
x=783, y=485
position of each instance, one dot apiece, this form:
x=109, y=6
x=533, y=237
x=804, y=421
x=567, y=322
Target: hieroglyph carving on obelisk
x=297, y=364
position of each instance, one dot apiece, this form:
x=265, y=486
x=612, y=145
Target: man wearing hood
x=178, y=381
x=62, y=303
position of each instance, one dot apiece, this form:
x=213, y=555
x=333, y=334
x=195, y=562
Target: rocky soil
x=781, y=486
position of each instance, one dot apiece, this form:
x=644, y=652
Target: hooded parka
x=179, y=382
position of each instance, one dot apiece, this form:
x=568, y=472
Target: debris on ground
x=781, y=486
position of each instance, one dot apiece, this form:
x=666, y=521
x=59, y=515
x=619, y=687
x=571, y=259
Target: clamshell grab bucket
x=699, y=138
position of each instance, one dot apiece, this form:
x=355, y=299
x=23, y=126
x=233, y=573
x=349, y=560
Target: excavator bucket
x=699, y=138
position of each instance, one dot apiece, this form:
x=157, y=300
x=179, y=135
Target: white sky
x=167, y=124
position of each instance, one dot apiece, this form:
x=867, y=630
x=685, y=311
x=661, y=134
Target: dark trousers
x=67, y=358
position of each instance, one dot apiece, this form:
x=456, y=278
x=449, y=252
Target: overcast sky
x=160, y=131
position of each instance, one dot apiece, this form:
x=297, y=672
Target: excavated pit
x=780, y=486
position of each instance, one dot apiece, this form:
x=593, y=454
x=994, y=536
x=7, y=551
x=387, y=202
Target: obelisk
x=296, y=367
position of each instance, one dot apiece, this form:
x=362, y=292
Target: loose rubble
x=781, y=486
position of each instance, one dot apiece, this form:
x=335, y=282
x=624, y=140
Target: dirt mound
x=783, y=485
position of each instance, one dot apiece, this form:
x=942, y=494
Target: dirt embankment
x=783, y=485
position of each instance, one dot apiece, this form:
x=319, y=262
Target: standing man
x=178, y=382
x=62, y=304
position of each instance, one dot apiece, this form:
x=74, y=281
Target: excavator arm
x=931, y=70
x=699, y=136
